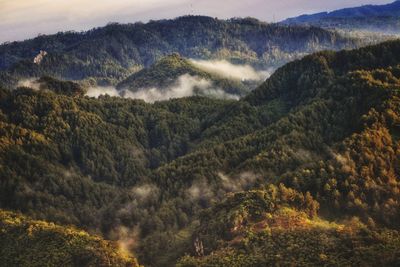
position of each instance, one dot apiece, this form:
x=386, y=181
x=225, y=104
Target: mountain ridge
x=391, y=9
x=112, y=53
x=376, y=18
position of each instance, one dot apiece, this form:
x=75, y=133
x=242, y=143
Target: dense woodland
x=304, y=169
x=111, y=53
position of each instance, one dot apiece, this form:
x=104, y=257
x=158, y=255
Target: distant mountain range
x=380, y=18
x=112, y=53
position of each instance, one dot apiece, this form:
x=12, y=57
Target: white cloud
x=143, y=192
x=232, y=71
x=98, y=91
x=127, y=238
x=31, y=83
x=200, y=190
x=244, y=181
x=186, y=85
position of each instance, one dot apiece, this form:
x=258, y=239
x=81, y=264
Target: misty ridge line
x=187, y=85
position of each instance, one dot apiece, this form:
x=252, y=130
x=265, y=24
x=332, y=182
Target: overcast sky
x=22, y=19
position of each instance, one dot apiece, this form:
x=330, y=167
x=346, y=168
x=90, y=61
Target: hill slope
x=25, y=242
x=278, y=226
x=326, y=127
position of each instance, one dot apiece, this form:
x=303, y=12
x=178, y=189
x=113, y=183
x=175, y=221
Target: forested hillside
x=25, y=242
x=303, y=170
x=166, y=73
x=113, y=52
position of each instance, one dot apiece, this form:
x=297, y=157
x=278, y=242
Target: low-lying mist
x=102, y=90
x=29, y=83
x=232, y=71
x=186, y=85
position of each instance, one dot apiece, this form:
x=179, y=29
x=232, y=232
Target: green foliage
x=325, y=127
x=238, y=211
x=60, y=87
x=24, y=242
x=308, y=245
x=279, y=226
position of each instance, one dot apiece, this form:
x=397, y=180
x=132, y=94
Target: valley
x=198, y=141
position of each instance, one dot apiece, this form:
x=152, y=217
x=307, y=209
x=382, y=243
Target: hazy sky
x=21, y=19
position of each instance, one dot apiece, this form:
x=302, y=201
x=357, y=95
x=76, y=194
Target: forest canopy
x=309, y=157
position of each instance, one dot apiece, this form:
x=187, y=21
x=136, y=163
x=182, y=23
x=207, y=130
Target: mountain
x=112, y=53
x=166, y=73
x=378, y=18
x=304, y=169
